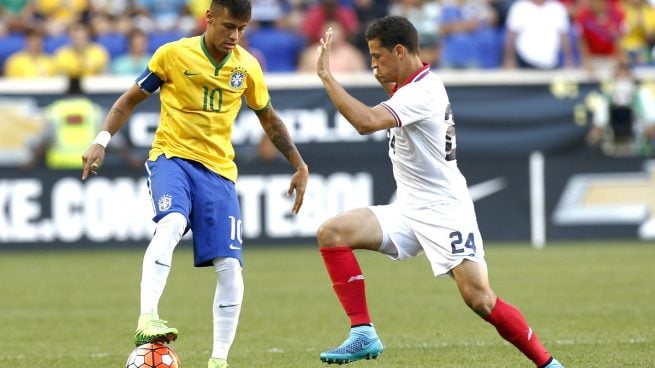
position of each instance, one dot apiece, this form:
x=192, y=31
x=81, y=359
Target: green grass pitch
x=591, y=304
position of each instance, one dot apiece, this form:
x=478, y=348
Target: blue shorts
x=207, y=200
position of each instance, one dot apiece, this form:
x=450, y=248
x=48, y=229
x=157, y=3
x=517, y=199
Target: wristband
x=102, y=138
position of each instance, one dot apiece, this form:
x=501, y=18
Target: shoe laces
x=155, y=323
x=352, y=345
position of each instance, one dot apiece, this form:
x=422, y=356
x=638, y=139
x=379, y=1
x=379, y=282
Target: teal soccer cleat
x=363, y=343
x=554, y=364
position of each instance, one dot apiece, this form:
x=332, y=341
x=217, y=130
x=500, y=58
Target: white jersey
x=422, y=145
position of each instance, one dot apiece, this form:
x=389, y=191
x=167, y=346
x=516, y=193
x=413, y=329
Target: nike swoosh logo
x=234, y=247
x=487, y=188
x=162, y=264
x=189, y=74
x=478, y=191
x=355, y=278
x=227, y=305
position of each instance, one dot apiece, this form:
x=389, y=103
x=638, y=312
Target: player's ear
x=210, y=17
x=399, y=50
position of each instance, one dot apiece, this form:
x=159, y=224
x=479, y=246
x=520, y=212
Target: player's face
x=223, y=30
x=384, y=62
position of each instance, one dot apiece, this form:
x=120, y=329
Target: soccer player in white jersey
x=191, y=172
x=433, y=212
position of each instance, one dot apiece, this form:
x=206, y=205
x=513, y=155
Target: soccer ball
x=153, y=356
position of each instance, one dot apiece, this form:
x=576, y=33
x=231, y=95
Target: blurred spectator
x=640, y=31
x=243, y=42
x=10, y=43
x=269, y=10
x=537, y=31
x=280, y=45
x=81, y=57
x=367, y=11
x=69, y=121
x=573, y=6
x=107, y=33
x=114, y=9
x=72, y=122
x=624, y=115
x=112, y=17
x=198, y=8
x=424, y=15
x=600, y=26
x=468, y=34
x=32, y=61
x=16, y=14
x=137, y=57
x=501, y=8
x=317, y=15
x=58, y=15
x=345, y=58
x=166, y=16
x=20, y=122
x=296, y=14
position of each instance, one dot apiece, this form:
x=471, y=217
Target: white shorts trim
x=447, y=234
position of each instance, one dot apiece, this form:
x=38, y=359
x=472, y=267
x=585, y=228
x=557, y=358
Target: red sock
x=348, y=282
x=511, y=325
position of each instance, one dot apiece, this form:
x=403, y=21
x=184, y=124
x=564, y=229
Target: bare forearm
x=509, y=56
x=117, y=116
x=279, y=135
x=123, y=108
x=567, y=50
x=353, y=110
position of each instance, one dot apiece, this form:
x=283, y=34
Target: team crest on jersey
x=165, y=202
x=237, y=77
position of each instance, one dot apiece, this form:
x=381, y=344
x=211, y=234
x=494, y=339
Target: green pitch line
x=591, y=304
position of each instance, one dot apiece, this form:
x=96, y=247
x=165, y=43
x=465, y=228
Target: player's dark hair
x=393, y=30
x=239, y=9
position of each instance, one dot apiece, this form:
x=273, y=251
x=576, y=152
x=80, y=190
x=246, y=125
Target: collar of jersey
x=411, y=79
x=217, y=66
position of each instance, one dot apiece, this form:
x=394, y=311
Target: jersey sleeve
x=256, y=93
x=409, y=105
x=156, y=73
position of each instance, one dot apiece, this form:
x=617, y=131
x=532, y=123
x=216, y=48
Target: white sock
x=227, y=304
x=158, y=260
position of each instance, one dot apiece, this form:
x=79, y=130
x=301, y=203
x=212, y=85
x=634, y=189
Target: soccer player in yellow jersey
x=190, y=167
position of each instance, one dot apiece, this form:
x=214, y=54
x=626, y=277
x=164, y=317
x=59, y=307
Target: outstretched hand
x=323, y=52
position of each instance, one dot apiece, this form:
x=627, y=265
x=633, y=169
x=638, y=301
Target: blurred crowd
x=78, y=38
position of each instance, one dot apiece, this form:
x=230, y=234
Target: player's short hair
x=239, y=9
x=393, y=30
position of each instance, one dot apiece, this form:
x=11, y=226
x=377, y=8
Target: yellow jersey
x=639, y=21
x=200, y=99
x=25, y=65
x=93, y=60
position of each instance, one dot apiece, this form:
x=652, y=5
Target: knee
x=327, y=234
x=480, y=301
x=172, y=225
x=226, y=264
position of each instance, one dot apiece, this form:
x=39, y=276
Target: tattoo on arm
x=279, y=135
x=117, y=111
